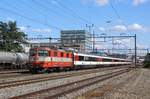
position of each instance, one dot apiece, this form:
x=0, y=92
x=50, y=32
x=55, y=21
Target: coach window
x=117, y=60
x=55, y=53
x=68, y=55
x=49, y=53
x=107, y=60
x=92, y=59
x=81, y=58
x=61, y=54
x=86, y=59
x=43, y=53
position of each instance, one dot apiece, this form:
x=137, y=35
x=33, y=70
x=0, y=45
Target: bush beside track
x=146, y=64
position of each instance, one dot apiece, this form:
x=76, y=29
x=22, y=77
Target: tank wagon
x=12, y=60
x=43, y=59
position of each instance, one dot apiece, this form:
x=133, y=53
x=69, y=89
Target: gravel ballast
x=132, y=85
x=23, y=89
x=138, y=88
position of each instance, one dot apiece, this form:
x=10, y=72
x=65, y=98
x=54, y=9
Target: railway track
x=49, y=77
x=4, y=76
x=101, y=91
x=60, y=90
x=13, y=71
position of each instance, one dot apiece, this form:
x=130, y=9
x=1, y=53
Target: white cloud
x=117, y=42
x=23, y=28
x=87, y=1
x=97, y=2
x=10, y=19
x=106, y=2
x=102, y=29
x=138, y=2
x=118, y=28
x=136, y=27
x=101, y=2
x=142, y=46
x=127, y=43
x=41, y=30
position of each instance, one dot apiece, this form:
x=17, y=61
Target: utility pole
x=90, y=27
x=50, y=41
x=93, y=35
x=135, y=50
x=93, y=41
x=147, y=51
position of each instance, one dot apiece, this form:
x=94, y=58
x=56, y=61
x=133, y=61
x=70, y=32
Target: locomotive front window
x=32, y=52
x=43, y=53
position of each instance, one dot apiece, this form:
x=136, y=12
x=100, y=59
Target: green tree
x=11, y=37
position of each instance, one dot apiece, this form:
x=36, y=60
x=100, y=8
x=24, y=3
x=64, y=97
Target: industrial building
x=80, y=40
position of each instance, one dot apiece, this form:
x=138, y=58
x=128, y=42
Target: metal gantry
x=94, y=37
x=134, y=36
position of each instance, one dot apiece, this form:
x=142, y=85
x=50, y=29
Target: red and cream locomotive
x=42, y=58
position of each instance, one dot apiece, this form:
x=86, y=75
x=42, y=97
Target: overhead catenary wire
x=49, y=10
x=115, y=10
x=33, y=8
x=39, y=11
x=74, y=14
x=72, y=11
x=44, y=5
x=117, y=13
x=29, y=18
x=118, y=16
x=66, y=12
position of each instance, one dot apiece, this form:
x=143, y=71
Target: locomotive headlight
x=33, y=59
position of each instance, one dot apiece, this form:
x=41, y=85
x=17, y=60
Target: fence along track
x=60, y=90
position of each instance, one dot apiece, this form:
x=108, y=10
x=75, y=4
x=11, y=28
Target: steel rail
x=60, y=90
x=51, y=77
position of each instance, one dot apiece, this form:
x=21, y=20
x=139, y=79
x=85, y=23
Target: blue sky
x=47, y=17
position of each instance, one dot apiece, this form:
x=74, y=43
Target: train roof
x=90, y=55
x=47, y=48
x=43, y=48
x=81, y=54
